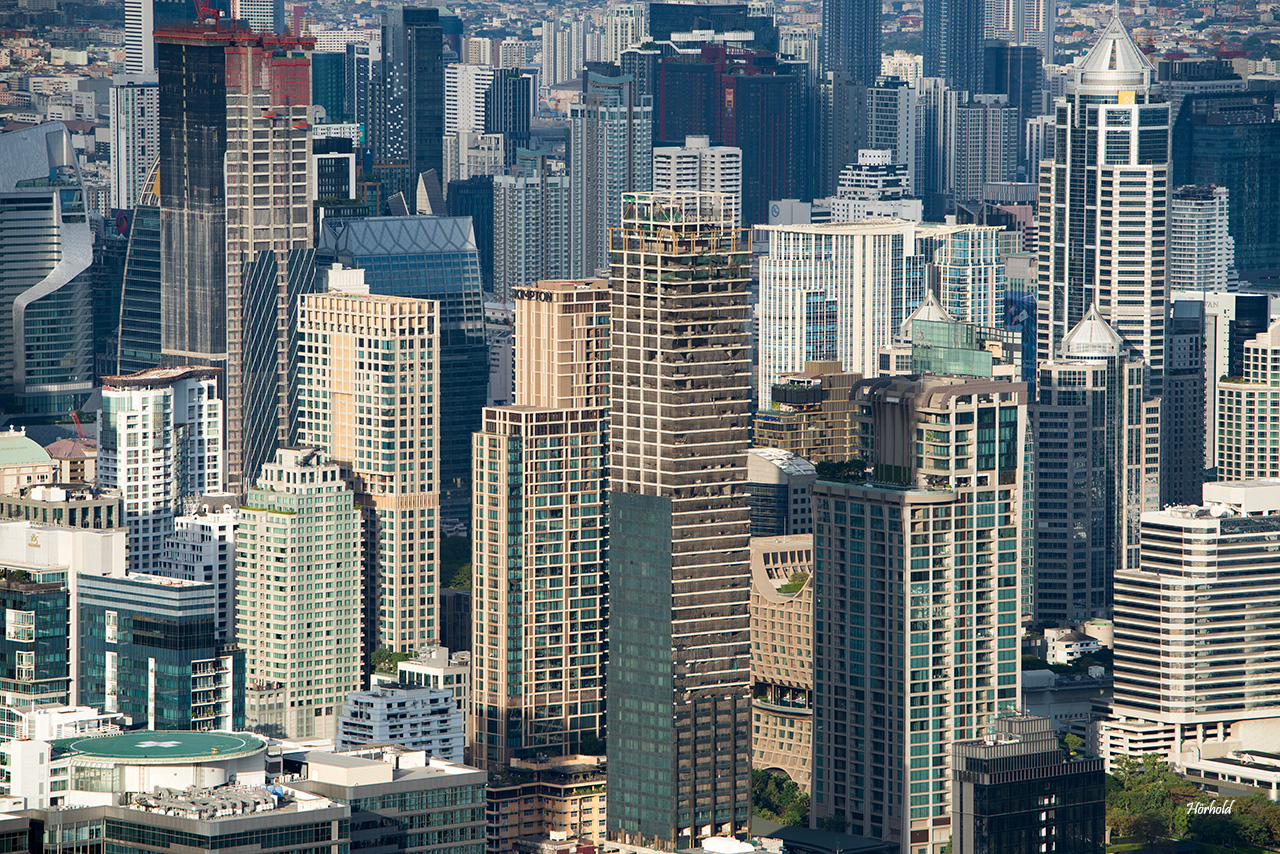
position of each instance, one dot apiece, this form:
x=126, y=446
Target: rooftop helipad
x=151, y=747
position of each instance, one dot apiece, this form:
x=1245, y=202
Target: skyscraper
x=46, y=250
x=140, y=294
x=268, y=126
x=432, y=258
x=871, y=276
x=679, y=699
x=300, y=529
x=922, y=571
x=1101, y=245
x=359, y=73
x=370, y=399
x=1182, y=424
x=1014, y=70
x=161, y=448
x=408, y=114
x=135, y=136
x=539, y=597
x=610, y=153
x=1228, y=140
x=192, y=65
x=954, y=33
x=1097, y=469
x=852, y=38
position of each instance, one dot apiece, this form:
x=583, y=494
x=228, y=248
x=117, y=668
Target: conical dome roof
x=929, y=309
x=1114, y=61
x=1092, y=337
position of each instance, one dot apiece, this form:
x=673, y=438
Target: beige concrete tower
x=369, y=371
x=679, y=563
x=562, y=344
x=538, y=651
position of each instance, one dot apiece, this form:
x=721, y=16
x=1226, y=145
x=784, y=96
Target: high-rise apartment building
x=874, y=186
x=408, y=103
x=134, y=103
x=679, y=698
x=160, y=446
x=922, y=570
x=370, y=399
x=1105, y=245
x=1246, y=448
x=1202, y=253
x=699, y=165
x=46, y=250
x=625, y=25
x=530, y=229
x=360, y=70
x=148, y=648
x=954, y=32
x=1230, y=320
x=1190, y=633
x=435, y=258
x=298, y=595
x=841, y=291
x=610, y=153
x=1023, y=22
x=1097, y=469
x=778, y=485
x=1014, y=69
x=983, y=137
x=466, y=88
x=852, y=38
x=539, y=525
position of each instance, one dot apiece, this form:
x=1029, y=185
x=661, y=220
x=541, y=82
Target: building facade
x=933, y=546
x=299, y=529
x=134, y=104
x=46, y=249
x=699, y=165
x=1097, y=469
x=413, y=717
x=1245, y=447
x=782, y=656
x=679, y=704
x=161, y=448
x=1183, y=623
x=148, y=649
x=369, y=397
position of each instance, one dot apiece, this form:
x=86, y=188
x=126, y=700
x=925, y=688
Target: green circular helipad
x=170, y=747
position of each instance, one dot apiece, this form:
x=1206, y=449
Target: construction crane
x=205, y=13
x=75, y=416
x=1222, y=31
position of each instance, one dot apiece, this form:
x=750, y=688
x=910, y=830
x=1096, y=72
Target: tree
x=777, y=797
x=385, y=660
x=1073, y=742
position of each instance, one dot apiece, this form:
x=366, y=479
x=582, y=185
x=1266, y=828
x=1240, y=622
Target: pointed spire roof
x=1092, y=337
x=1115, y=61
x=929, y=309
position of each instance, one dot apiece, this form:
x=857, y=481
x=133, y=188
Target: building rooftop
x=153, y=377
x=72, y=449
x=151, y=747
x=1115, y=60
x=17, y=450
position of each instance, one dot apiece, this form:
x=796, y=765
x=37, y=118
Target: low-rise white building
x=410, y=716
